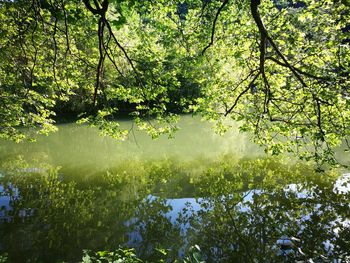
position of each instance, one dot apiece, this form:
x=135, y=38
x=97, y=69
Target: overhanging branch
x=254, y=4
x=224, y=3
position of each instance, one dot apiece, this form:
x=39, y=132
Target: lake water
x=78, y=145
x=75, y=190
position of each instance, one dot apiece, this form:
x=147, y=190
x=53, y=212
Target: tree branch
x=300, y=71
x=241, y=94
x=254, y=4
x=224, y=3
x=90, y=8
x=124, y=52
x=101, y=59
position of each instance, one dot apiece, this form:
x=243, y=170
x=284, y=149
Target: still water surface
x=80, y=146
x=75, y=190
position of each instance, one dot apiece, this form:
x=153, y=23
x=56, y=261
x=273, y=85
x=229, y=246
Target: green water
x=75, y=190
x=81, y=146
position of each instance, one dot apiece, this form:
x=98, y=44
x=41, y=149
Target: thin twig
x=224, y=3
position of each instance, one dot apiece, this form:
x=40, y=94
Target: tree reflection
x=53, y=219
x=252, y=207
x=153, y=230
x=246, y=211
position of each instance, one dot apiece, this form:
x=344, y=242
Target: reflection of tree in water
x=250, y=209
x=154, y=231
x=66, y=217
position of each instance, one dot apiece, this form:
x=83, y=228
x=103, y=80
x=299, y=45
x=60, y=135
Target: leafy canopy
x=279, y=67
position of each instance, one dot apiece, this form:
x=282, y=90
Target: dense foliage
x=279, y=67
